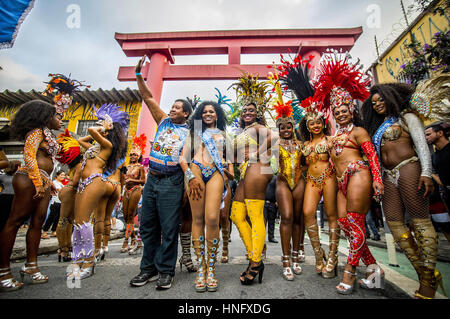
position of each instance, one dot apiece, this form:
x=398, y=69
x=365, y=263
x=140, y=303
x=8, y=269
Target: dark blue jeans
x=160, y=222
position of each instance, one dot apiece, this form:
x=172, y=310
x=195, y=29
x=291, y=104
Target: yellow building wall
x=398, y=55
x=78, y=112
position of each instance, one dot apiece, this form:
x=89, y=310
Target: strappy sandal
x=296, y=263
x=9, y=284
x=374, y=278
x=36, y=277
x=348, y=289
x=287, y=270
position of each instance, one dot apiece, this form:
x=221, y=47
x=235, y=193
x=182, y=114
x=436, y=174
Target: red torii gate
x=163, y=46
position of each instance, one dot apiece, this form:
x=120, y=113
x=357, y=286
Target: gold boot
x=406, y=242
x=427, y=242
x=199, y=249
x=225, y=239
x=213, y=248
x=313, y=234
x=330, y=269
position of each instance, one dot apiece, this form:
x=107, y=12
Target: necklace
x=341, y=137
x=290, y=145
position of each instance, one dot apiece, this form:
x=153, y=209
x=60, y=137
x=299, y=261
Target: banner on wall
x=12, y=15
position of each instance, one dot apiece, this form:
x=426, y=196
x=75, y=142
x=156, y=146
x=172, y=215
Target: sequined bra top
x=320, y=150
x=394, y=132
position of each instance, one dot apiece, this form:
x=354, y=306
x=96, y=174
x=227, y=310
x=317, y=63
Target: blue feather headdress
x=111, y=113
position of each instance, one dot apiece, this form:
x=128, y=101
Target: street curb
x=47, y=246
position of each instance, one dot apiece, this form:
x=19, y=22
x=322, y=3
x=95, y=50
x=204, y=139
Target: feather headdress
x=139, y=143
x=296, y=78
x=111, y=113
x=64, y=87
x=69, y=148
x=251, y=91
x=284, y=110
x=431, y=98
x=339, y=82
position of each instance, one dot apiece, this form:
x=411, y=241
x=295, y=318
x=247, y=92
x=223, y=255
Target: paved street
x=112, y=276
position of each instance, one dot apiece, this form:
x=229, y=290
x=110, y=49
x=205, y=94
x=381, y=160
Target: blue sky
x=45, y=44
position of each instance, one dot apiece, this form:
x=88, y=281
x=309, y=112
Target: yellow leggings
x=254, y=236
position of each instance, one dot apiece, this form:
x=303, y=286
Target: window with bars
x=83, y=125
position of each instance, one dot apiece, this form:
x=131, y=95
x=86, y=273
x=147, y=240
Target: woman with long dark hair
x=339, y=84
x=103, y=156
x=70, y=155
x=320, y=176
x=399, y=138
x=32, y=123
x=252, y=150
x=204, y=179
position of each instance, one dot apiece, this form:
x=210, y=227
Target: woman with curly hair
x=205, y=183
x=399, y=138
x=32, y=185
x=339, y=85
x=103, y=156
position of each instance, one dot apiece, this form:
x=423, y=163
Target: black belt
x=269, y=202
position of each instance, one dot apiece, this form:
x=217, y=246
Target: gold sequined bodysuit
x=290, y=166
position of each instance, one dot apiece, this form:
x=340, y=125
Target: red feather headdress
x=139, y=143
x=70, y=148
x=339, y=82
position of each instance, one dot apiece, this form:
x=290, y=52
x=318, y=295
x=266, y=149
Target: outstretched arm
x=147, y=96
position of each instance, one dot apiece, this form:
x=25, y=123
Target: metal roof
x=9, y=98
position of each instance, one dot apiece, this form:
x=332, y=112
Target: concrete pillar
x=146, y=123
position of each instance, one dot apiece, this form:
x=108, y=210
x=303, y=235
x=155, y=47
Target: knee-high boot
x=213, y=248
x=330, y=269
x=255, y=208
x=186, y=259
x=313, y=234
x=225, y=239
x=199, y=249
x=238, y=216
x=427, y=242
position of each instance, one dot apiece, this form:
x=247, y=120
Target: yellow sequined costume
x=253, y=236
x=289, y=166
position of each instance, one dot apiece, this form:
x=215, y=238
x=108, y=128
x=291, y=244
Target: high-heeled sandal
x=331, y=270
x=8, y=284
x=301, y=255
x=36, y=277
x=185, y=258
x=374, y=278
x=348, y=289
x=200, y=278
x=287, y=271
x=64, y=254
x=99, y=255
x=89, y=270
x=124, y=248
x=225, y=239
x=212, y=284
x=105, y=252
x=318, y=250
x=254, y=271
x=296, y=262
